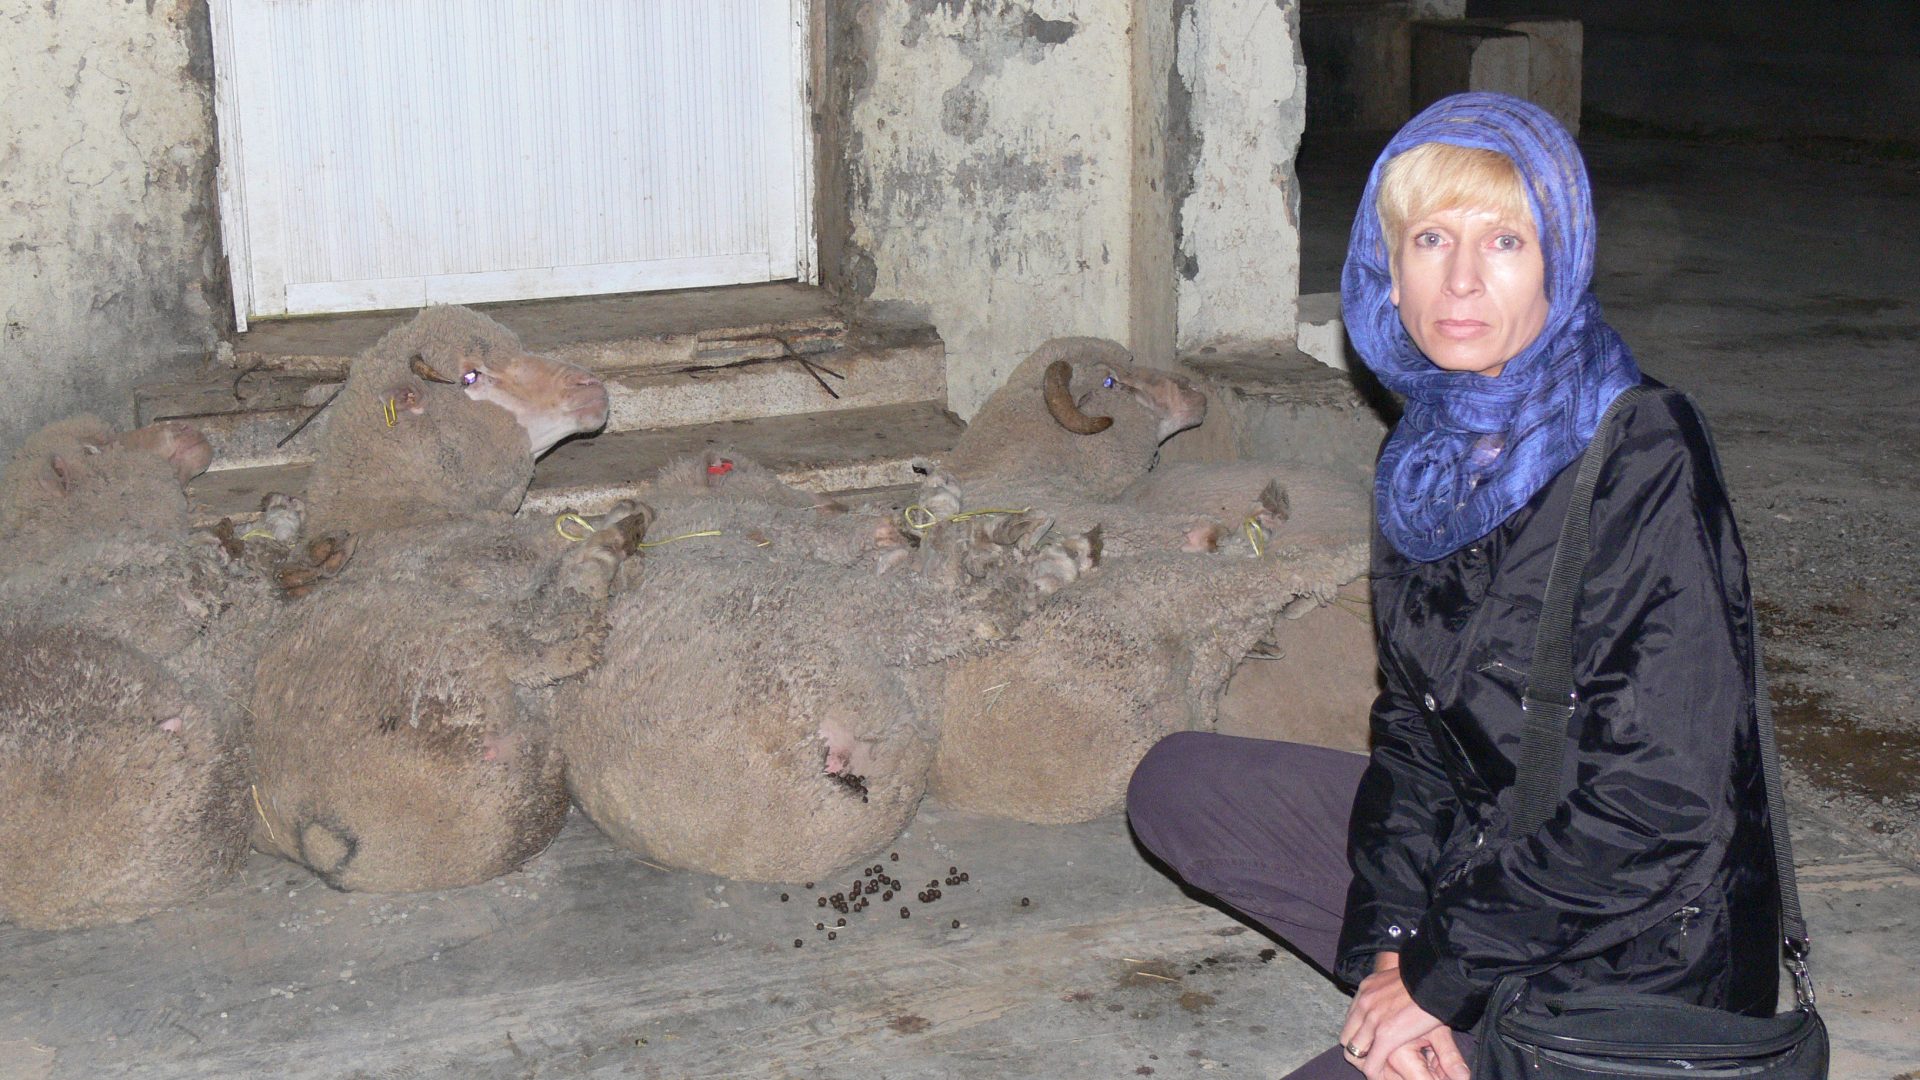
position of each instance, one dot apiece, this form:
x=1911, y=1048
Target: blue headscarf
x=1470, y=450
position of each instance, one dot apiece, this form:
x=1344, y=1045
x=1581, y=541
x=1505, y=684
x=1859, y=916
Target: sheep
x=412, y=436
x=77, y=483
x=1044, y=454
x=1049, y=728
x=400, y=740
x=1147, y=618
x=1022, y=444
x=121, y=744
x=1313, y=680
x=761, y=712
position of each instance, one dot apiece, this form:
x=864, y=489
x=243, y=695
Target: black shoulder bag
x=1587, y=1035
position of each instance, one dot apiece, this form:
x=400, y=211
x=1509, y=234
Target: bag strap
x=1550, y=700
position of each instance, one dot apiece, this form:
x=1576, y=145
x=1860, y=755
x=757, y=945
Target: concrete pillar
x=1536, y=59
x=1239, y=257
x=111, y=269
x=1036, y=168
x=1554, y=49
x=1453, y=57
x=1162, y=169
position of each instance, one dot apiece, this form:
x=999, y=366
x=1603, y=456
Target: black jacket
x=1655, y=875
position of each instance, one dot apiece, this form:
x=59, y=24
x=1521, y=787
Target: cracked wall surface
x=106, y=176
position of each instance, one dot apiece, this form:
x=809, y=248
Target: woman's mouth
x=1460, y=329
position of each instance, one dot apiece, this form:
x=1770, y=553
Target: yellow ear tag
x=560, y=526
x=1256, y=535
x=391, y=410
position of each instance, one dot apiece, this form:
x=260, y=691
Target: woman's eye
x=1507, y=242
x=1427, y=239
x=472, y=376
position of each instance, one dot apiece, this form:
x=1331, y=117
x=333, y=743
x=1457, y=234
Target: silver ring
x=1356, y=1051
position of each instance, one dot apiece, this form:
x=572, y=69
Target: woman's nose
x=1463, y=274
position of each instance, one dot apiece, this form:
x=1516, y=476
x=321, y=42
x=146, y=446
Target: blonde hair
x=1441, y=176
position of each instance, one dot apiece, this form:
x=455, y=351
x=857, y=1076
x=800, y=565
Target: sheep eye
x=472, y=376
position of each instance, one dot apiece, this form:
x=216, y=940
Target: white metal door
x=394, y=153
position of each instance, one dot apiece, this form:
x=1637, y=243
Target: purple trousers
x=1262, y=826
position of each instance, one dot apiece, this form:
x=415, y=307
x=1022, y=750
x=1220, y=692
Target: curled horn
x=419, y=366
x=1059, y=396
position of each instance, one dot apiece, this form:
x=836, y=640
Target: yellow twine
x=920, y=519
x=560, y=526
x=391, y=410
x=683, y=536
x=1256, y=535
x=251, y=533
x=964, y=515
x=255, y=788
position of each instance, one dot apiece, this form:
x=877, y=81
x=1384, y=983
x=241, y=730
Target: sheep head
x=442, y=418
x=550, y=399
x=79, y=477
x=179, y=444
x=1171, y=400
x=84, y=460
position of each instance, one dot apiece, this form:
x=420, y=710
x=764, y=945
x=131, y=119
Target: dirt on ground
x=1778, y=285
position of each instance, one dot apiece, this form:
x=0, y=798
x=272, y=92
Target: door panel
x=381, y=154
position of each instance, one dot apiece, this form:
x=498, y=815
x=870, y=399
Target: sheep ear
x=406, y=397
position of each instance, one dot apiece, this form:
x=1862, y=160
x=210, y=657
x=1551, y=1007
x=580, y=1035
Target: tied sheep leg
x=559, y=629
x=325, y=557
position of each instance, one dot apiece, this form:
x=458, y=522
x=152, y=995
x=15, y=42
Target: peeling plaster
x=1048, y=31
x=110, y=227
x=1239, y=224
x=991, y=177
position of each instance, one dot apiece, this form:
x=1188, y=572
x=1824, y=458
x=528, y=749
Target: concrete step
x=669, y=360
x=1280, y=404
x=841, y=451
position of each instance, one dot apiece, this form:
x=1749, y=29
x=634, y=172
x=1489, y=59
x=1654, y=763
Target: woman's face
x=1471, y=288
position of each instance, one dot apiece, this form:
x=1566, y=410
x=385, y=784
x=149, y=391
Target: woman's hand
x=1397, y=1039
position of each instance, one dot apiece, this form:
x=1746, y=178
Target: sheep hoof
x=632, y=529
x=230, y=545
x=330, y=553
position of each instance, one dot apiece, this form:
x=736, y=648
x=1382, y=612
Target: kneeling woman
x=1466, y=291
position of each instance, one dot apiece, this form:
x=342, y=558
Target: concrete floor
x=1776, y=288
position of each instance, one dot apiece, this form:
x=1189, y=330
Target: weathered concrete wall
x=109, y=231
x=1029, y=168
x=988, y=172
x=1239, y=238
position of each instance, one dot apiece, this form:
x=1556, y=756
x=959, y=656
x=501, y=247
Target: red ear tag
x=720, y=468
